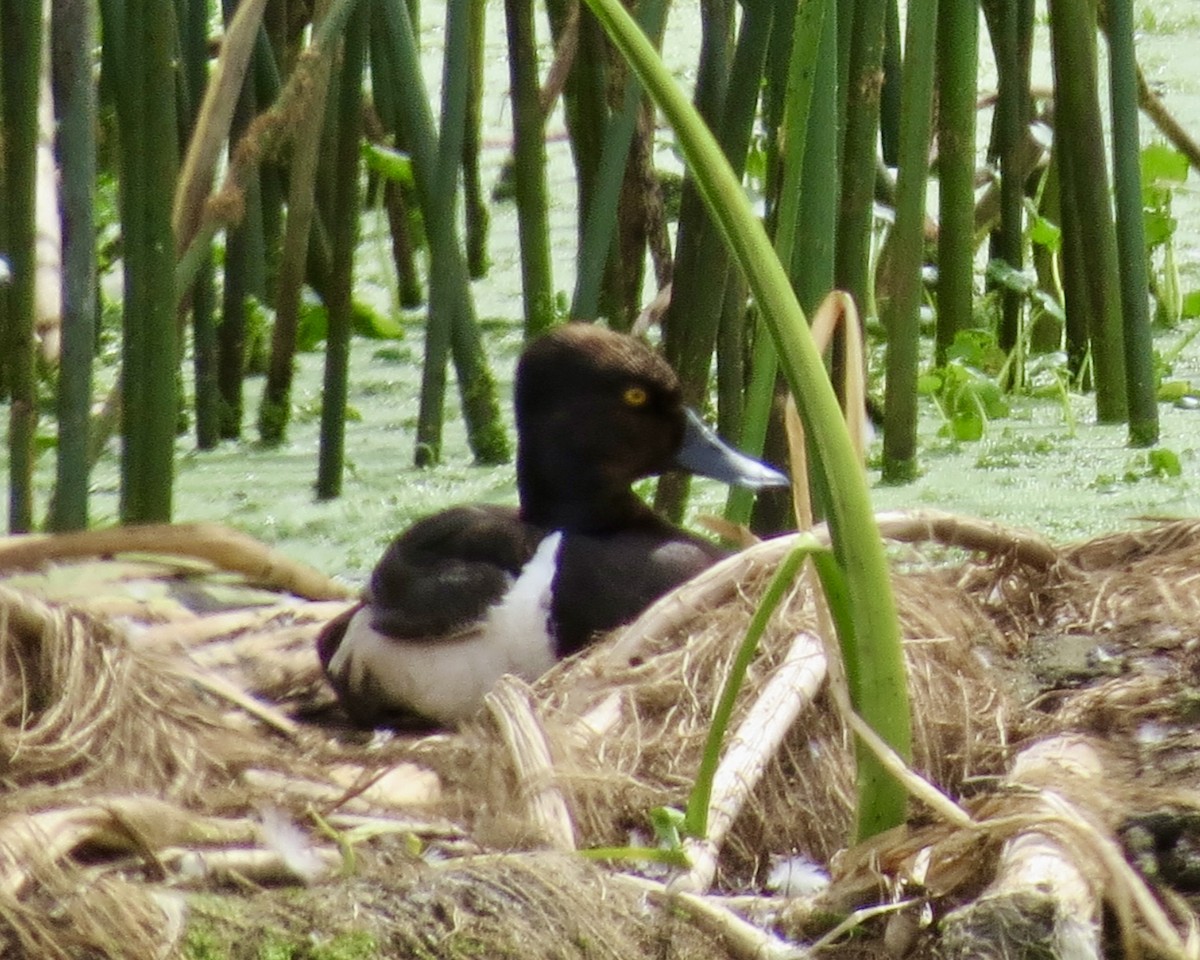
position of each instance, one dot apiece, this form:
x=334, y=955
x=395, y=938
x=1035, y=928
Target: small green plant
x=1152, y=18
x=668, y=824
x=1163, y=463
x=1015, y=449
x=1048, y=376
x=1025, y=282
x=1163, y=171
x=966, y=398
x=966, y=389
x=1160, y=463
x=313, y=323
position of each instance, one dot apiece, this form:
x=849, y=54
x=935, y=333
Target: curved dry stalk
x=222, y=546
x=139, y=824
x=836, y=311
x=719, y=582
x=969, y=533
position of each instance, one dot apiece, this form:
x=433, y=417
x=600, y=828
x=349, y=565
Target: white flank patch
x=445, y=678
x=519, y=623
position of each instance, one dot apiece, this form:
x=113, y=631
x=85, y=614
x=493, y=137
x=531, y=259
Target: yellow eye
x=635, y=396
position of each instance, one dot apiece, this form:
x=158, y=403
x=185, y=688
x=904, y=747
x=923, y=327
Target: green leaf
x=1171, y=390
x=1160, y=226
x=1191, y=304
x=990, y=398
x=967, y=422
x=1048, y=302
x=929, y=383
x=1164, y=462
x=667, y=823
x=312, y=324
x=1163, y=163
x=977, y=348
x=1044, y=233
x=970, y=399
x=369, y=322
x=1002, y=273
x=388, y=163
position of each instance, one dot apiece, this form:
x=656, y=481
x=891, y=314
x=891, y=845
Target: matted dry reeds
x=156, y=742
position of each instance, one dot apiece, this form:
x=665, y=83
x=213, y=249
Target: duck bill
x=706, y=454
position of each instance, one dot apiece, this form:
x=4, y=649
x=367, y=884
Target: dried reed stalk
x=1057, y=863
x=352, y=788
x=546, y=809
x=139, y=824
x=748, y=751
x=741, y=938
x=234, y=624
x=222, y=546
x=247, y=865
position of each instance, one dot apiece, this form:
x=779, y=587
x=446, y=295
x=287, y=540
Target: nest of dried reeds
x=163, y=750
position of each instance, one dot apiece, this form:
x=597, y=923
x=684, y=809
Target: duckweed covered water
x=1034, y=468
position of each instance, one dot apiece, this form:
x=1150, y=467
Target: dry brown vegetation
x=177, y=780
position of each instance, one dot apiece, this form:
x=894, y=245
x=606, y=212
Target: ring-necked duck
x=469, y=594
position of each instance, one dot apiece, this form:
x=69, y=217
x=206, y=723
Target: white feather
x=445, y=678
x=292, y=844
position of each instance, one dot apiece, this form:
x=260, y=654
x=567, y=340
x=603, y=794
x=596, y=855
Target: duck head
x=597, y=410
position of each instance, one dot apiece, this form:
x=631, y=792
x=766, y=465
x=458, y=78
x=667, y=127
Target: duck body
x=476, y=591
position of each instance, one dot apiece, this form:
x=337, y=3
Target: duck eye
x=635, y=396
